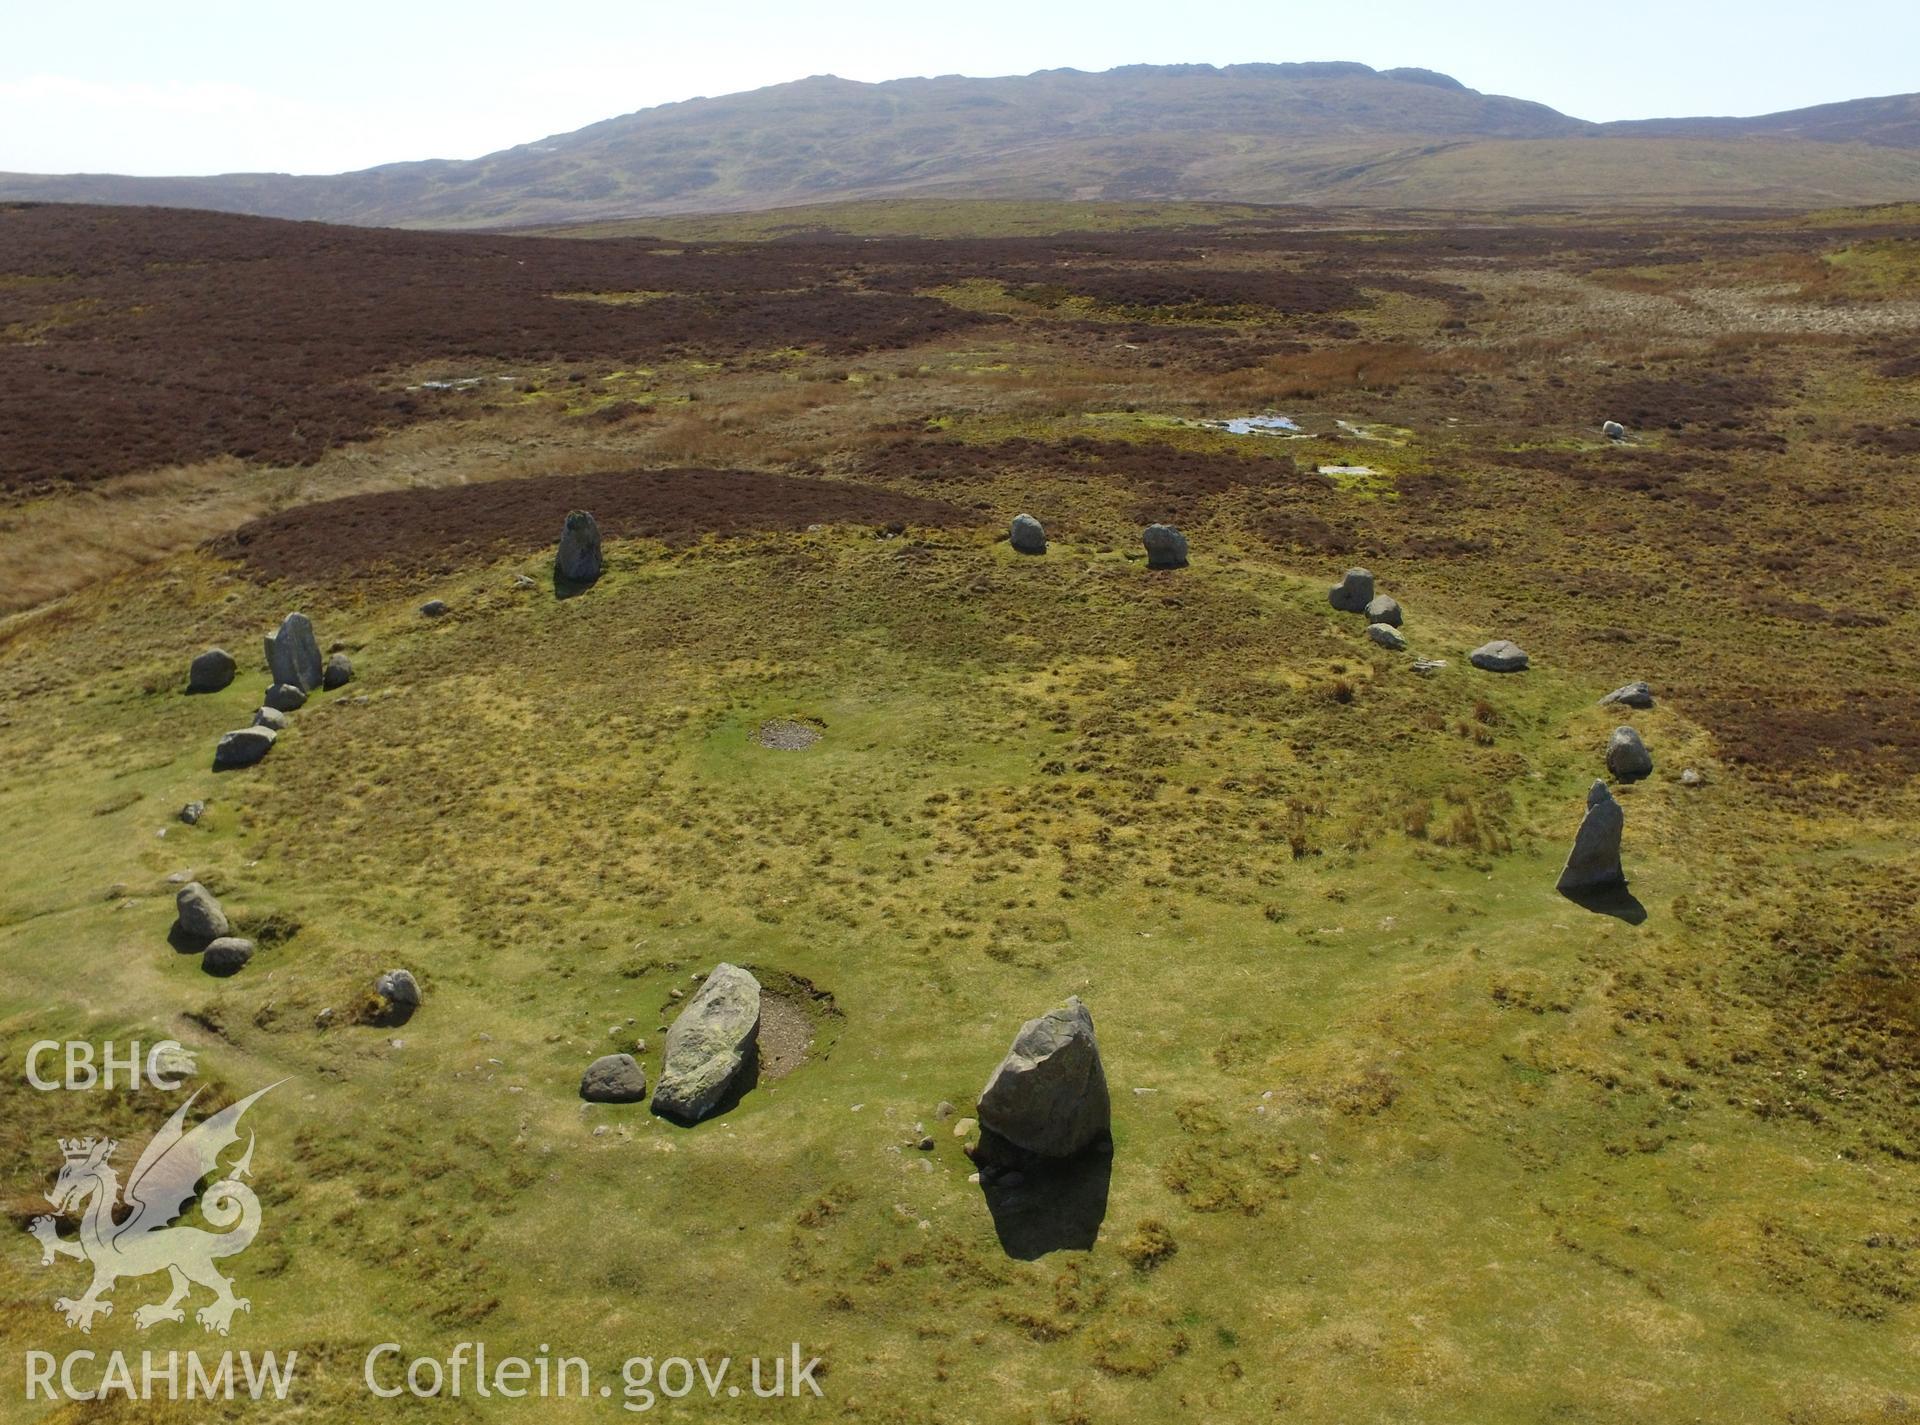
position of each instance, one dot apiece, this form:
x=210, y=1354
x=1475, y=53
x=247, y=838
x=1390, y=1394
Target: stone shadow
x=1616, y=901
x=1045, y=1205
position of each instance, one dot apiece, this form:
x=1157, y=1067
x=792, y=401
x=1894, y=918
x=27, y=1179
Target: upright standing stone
x=293, y=653
x=1627, y=756
x=1166, y=547
x=1353, y=593
x=1049, y=1095
x=578, y=561
x=210, y=671
x=1028, y=535
x=1594, y=862
x=709, y=1044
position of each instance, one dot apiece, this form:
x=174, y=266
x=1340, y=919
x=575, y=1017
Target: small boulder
x=1613, y=430
x=1028, y=536
x=198, y=913
x=226, y=955
x=1633, y=695
x=1691, y=777
x=242, y=748
x=338, y=672
x=578, y=561
x=1594, y=862
x=1500, y=656
x=285, y=697
x=1049, y=1095
x=1383, y=609
x=270, y=717
x=709, y=1045
x=1166, y=547
x=1353, y=593
x=1627, y=756
x=398, y=987
x=1387, y=636
x=1428, y=666
x=433, y=608
x=614, y=1078
x=293, y=653
x=192, y=812
x=210, y=671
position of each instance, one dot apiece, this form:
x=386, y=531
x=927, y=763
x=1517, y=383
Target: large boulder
x=1383, y=608
x=1627, y=756
x=1500, y=656
x=226, y=956
x=1353, y=593
x=614, y=1078
x=1387, y=636
x=709, y=1045
x=338, y=672
x=285, y=697
x=398, y=987
x=578, y=561
x=1613, y=430
x=293, y=653
x=1166, y=547
x=1028, y=536
x=210, y=671
x=242, y=747
x=1633, y=695
x=1049, y=1095
x=1594, y=862
x=199, y=914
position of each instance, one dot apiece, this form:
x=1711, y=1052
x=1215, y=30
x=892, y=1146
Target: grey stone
x=399, y=987
x=198, y=913
x=242, y=747
x=709, y=1044
x=1384, y=609
x=1426, y=666
x=1627, y=756
x=1166, y=547
x=578, y=561
x=1594, y=862
x=434, y=608
x=1028, y=536
x=338, y=672
x=210, y=671
x=1387, y=636
x=285, y=697
x=1691, y=778
x=1500, y=656
x=270, y=717
x=226, y=955
x=614, y=1078
x=293, y=653
x=1633, y=695
x=192, y=812
x=1353, y=593
x=1049, y=1095
x=1613, y=430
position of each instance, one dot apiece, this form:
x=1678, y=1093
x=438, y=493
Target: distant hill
x=1328, y=133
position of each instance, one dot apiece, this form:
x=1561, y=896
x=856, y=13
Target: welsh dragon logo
x=138, y=1237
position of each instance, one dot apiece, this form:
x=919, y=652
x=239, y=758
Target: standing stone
x=1028, y=536
x=1627, y=756
x=270, y=717
x=398, y=987
x=293, y=654
x=242, y=748
x=1384, y=609
x=1501, y=656
x=1613, y=430
x=198, y=913
x=709, y=1044
x=614, y=1078
x=226, y=955
x=1166, y=547
x=578, y=561
x=1049, y=1095
x=1387, y=636
x=285, y=697
x=1594, y=863
x=1633, y=695
x=210, y=671
x=338, y=672
x=1353, y=593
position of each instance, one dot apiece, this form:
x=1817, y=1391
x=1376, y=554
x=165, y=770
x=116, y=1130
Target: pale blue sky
x=133, y=86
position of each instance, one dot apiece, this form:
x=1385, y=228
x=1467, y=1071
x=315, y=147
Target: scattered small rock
x=1384, y=609
x=1594, y=862
x=1424, y=666
x=1353, y=593
x=578, y=560
x=285, y=697
x=192, y=812
x=963, y=1128
x=521, y=581
x=1627, y=756
x=1049, y=1095
x=293, y=653
x=338, y=672
x=1500, y=656
x=1691, y=778
x=1387, y=636
x=614, y=1078
x=943, y=1110
x=210, y=671
x=198, y=913
x=1166, y=547
x=242, y=747
x=433, y=608
x=926, y=1143
x=226, y=955
x=1028, y=536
